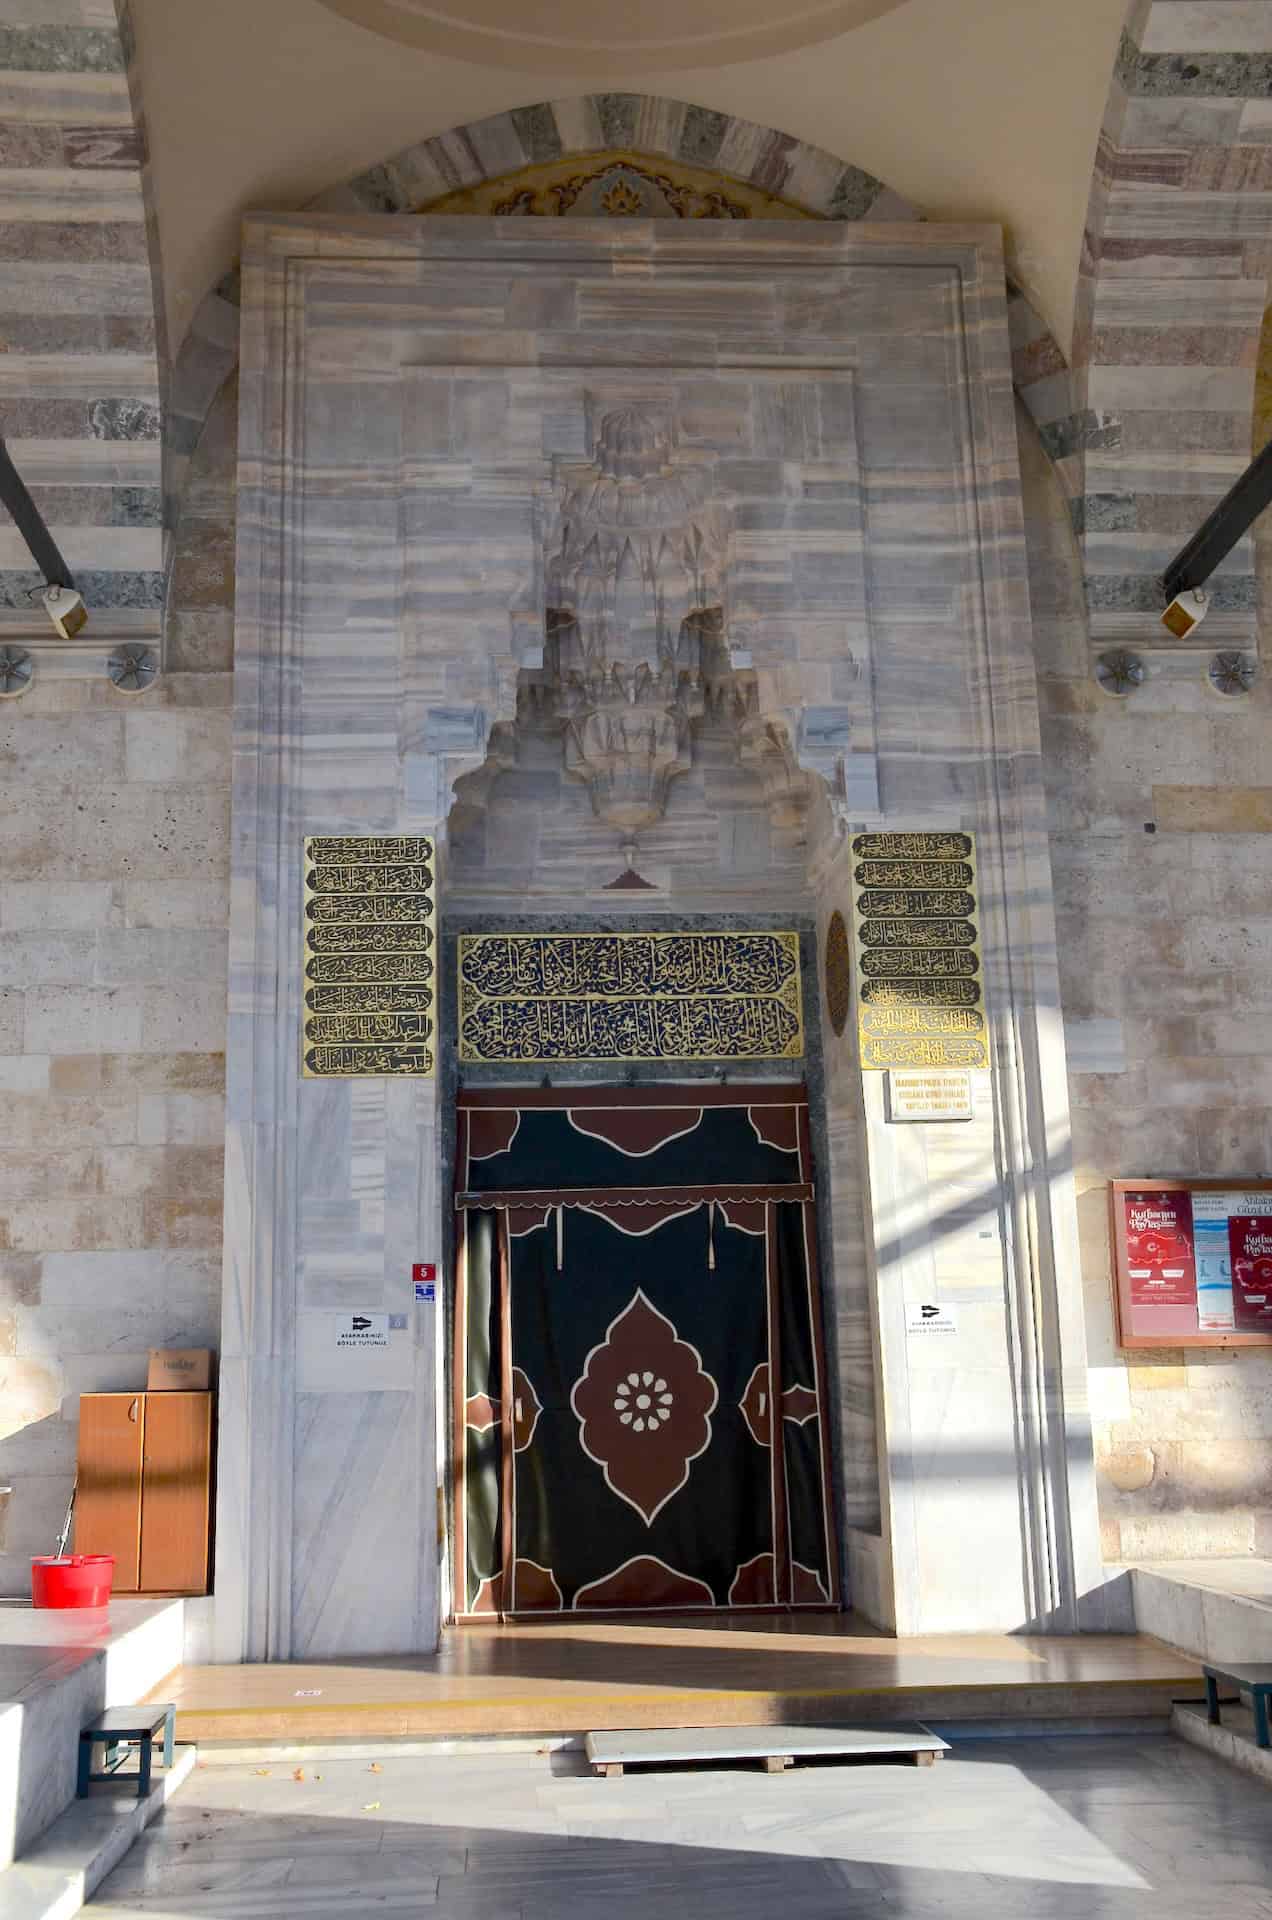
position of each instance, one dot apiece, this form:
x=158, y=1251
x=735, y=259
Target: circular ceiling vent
x=575, y=34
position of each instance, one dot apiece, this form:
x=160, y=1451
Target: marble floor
x=1080, y=1828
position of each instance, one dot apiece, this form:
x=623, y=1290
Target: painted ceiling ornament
x=618, y=186
x=621, y=197
x=635, y=562
x=644, y=1404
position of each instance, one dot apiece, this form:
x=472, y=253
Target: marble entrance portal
x=560, y=536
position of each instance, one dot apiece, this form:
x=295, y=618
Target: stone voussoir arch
x=757, y=171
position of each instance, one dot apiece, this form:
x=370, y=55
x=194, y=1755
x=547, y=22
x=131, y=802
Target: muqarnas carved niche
x=635, y=561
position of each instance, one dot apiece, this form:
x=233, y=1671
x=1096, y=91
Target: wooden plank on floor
x=777, y=1746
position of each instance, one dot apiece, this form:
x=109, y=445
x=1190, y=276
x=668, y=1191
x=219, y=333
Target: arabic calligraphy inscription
x=533, y=997
x=918, y=950
x=370, y=965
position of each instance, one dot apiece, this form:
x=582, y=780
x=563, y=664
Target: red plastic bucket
x=80, y=1580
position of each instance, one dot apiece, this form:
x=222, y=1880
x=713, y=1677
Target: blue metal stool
x=1256, y=1681
x=119, y=1730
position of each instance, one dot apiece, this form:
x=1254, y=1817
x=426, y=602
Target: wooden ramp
x=775, y=1747
x=568, y=1678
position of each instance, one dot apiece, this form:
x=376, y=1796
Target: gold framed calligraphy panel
x=370, y=986
x=534, y=998
x=920, y=987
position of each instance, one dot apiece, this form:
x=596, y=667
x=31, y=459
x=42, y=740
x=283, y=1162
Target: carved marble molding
x=635, y=569
x=590, y=155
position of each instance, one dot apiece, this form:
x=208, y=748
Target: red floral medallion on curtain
x=640, y=1392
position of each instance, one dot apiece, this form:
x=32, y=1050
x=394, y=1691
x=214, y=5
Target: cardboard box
x=188, y=1369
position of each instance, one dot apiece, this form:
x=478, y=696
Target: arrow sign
x=927, y=1316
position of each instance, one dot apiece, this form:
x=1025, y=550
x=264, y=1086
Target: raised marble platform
x=570, y=1679
x=56, y=1669
x=1213, y=1609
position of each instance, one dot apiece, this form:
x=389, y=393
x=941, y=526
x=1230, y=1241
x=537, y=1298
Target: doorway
x=640, y=1400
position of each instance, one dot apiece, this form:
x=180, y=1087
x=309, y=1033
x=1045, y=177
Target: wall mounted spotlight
x=63, y=604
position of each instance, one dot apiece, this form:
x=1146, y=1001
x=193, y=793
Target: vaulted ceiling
x=560, y=34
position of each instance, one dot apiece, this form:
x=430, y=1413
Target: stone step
x=1216, y=1610
x=1233, y=1740
x=73, y=1856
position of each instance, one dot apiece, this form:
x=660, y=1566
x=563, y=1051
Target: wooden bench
x=1254, y=1680
x=119, y=1730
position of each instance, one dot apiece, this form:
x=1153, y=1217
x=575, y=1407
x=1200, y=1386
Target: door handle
x=132, y=1411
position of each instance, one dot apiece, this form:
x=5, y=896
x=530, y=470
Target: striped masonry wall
x=1175, y=282
x=79, y=367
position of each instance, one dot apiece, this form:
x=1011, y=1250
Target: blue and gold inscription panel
x=538, y=997
x=370, y=961
x=918, y=950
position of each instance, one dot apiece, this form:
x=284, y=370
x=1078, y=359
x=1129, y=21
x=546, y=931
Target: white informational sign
x=1212, y=1251
x=355, y=1351
x=929, y=1093
x=928, y=1317
x=362, y=1330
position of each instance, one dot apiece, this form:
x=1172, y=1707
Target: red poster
x=1250, y=1245
x=1159, y=1248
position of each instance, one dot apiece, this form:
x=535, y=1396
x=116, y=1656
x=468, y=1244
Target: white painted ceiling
x=560, y=34
x=972, y=109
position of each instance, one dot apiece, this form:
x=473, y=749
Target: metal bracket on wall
x=133, y=668
x=1119, y=672
x=17, y=670
x=1231, y=672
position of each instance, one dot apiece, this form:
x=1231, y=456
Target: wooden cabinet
x=145, y=1488
x=108, y=1495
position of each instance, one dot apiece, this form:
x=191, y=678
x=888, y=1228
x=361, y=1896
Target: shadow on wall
x=37, y=1473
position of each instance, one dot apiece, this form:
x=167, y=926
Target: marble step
x=73, y=1856
x=1232, y=1740
x=1216, y=1610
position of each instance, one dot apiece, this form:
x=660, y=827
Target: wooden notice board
x=1192, y=1262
